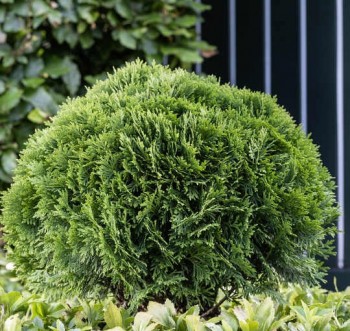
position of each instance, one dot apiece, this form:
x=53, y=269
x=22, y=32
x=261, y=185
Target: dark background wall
x=312, y=83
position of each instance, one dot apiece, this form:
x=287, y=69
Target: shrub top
x=161, y=183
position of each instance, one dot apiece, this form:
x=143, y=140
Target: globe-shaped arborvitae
x=163, y=184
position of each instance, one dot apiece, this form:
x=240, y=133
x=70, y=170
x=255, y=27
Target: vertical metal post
x=232, y=42
x=340, y=126
x=267, y=46
x=198, y=66
x=303, y=62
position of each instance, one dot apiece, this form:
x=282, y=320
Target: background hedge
x=52, y=49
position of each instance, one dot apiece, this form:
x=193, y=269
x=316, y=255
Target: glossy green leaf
x=10, y=99
x=86, y=40
x=190, y=56
x=72, y=78
x=249, y=326
x=38, y=322
x=8, y=299
x=139, y=33
x=22, y=59
x=55, y=17
x=33, y=82
x=194, y=323
x=229, y=327
x=17, y=75
x=9, y=161
x=127, y=39
x=13, y=323
x=60, y=326
x=34, y=67
x=194, y=310
x=88, y=14
x=186, y=21
x=56, y=310
x=56, y=67
x=66, y=4
x=265, y=314
x=229, y=321
x=164, y=30
x=198, y=6
x=186, y=55
x=5, y=133
x=112, y=316
x=61, y=32
x=66, y=33
x=8, y=61
x=161, y=314
x=82, y=27
x=37, y=116
x=42, y=100
x=150, y=18
x=112, y=18
x=123, y=9
x=38, y=21
x=20, y=112
x=141, y=321
x=5, y=50
x=40, y=7
x=21, y=7
x=13, y=24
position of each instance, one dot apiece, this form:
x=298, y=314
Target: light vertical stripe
x=165, y=60
x=303, y=62
x=232, y=42
x=267, y=46
x=198, y=66
x=340, y=127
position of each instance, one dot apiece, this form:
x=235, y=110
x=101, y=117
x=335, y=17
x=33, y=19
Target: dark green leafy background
x=53, y=49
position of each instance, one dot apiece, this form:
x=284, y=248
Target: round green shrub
x=161, y=183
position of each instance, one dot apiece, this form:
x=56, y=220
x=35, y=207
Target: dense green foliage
x=163, y=184
x=52, y=49
x=298, y=310
x=8, y=279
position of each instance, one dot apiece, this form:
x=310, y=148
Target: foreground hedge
x=298, y=310
x=163, y=184
x=295, y=309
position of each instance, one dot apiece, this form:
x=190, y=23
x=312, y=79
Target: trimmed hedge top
x=163, y=184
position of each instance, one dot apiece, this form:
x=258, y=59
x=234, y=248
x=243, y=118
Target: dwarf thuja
x=163, y=184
